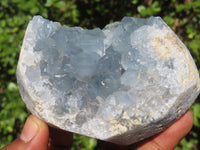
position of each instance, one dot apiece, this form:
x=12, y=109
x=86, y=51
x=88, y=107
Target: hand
x=36, y=135
x=169, y=138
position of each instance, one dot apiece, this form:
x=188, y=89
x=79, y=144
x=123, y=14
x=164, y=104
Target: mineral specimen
x=121, y=84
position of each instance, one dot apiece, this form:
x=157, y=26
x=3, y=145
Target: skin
x=36, y=134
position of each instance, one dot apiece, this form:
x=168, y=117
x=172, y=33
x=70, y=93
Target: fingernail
x=30, y=130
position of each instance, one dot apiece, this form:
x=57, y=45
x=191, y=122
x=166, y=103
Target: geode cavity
x=121, y=84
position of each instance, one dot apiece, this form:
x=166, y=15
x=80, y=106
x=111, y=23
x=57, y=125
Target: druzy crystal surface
x=121, y=84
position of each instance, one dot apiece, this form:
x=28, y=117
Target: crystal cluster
x=121, y=84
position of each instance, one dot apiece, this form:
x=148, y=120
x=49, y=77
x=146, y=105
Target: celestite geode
x=121, y=84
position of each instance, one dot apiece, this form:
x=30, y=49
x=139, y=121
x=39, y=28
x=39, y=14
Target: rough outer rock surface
x=121, y=84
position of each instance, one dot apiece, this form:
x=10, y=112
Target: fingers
x=59, y=139
x=34, y=136
x=169, y=139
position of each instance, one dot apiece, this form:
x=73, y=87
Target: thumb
x=34, y=136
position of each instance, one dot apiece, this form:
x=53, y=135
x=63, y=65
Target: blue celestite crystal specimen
x=121, y=84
